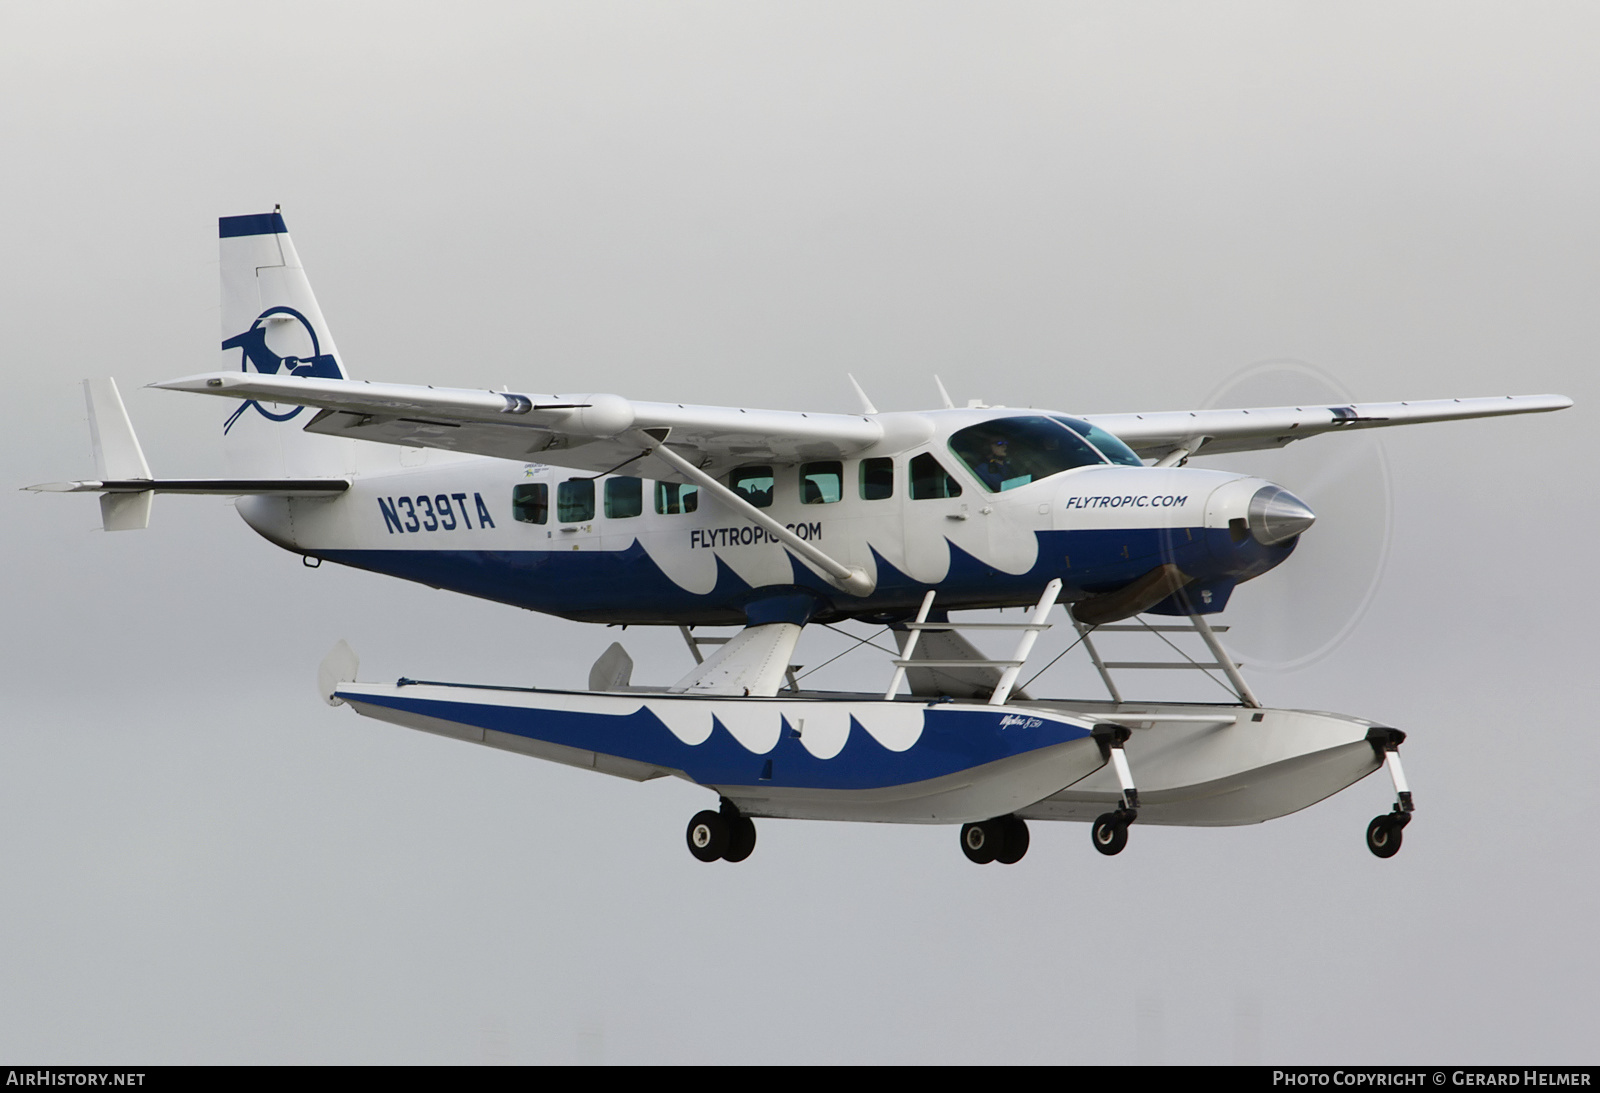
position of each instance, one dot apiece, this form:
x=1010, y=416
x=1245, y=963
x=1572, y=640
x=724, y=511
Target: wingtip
x=60, y=487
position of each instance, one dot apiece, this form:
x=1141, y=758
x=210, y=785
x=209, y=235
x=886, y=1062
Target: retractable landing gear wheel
x=1016, y=843
x=708, y=836
x=741, y=839
x=983, y=842
x=1383, y=835
x=1110, y=833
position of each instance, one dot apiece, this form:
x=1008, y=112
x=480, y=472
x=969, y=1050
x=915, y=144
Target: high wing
x=1174, y=434
x=602, y=432
x=591, y=432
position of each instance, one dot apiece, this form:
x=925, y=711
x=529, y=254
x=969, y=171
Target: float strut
x=1111, y=738
x=1386, y=742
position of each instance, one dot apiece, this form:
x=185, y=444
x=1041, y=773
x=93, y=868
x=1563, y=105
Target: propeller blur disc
x=1300, y=612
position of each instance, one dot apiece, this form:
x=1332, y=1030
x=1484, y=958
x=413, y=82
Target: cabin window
x=929, y=479
x=821, y=483
x=1013, y=451
x=624, y=497
x=673, y=498
x=575, y=500
x=754, y=484
x=530, y=503
x=1110, y=446
x=877, y=479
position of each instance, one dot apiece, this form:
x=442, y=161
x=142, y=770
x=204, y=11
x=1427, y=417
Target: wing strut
x=853, y=579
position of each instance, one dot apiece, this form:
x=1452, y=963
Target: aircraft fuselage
x=620, y=550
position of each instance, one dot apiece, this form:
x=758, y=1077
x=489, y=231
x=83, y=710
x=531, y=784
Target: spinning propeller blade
x=1301, y=611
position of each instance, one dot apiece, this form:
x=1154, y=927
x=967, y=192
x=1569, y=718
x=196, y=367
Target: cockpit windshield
x=1110, y=446
x=1014, y=451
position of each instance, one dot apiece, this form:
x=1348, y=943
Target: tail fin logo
x=280, y=328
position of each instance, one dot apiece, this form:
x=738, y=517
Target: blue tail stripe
x=230, y=227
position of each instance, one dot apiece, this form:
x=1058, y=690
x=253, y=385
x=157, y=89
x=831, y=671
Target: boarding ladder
x=1010, y=669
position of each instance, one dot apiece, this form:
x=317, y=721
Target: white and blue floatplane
x=603, y=509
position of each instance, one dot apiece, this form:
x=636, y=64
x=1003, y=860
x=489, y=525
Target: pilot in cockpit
x=996, y=469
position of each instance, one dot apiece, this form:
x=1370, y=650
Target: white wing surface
x=592, y=432
x=1157, y=435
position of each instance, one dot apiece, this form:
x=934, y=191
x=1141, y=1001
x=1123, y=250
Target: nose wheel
x=1383, y=833
x=728, y=835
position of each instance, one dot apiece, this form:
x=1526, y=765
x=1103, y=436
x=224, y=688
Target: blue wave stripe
x=952, y=740
x=628, y=586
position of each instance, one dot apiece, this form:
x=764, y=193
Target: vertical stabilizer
x=271, y=325
x=117, y=454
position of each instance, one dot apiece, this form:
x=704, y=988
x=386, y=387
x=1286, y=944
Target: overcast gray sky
x=1089, y=207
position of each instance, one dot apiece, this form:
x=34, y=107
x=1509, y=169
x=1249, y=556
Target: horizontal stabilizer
x=125, y=484
x=217, y=487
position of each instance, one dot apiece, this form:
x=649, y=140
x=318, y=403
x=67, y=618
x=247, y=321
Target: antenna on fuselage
x=939, y=383
x=866, y=403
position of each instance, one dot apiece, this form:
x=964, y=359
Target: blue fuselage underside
x=627, y=586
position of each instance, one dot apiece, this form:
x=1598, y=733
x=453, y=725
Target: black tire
x=707, y=836
x=1109, y=834
x=741, y=839
x=982, y=842
x=1383, y=836
x=1016, y=841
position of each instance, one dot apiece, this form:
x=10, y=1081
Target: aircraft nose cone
x=1277, y=515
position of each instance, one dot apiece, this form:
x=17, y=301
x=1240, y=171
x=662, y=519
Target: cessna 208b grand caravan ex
x=599, y=508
